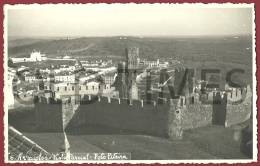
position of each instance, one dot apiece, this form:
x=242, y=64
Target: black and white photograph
x=130, y=83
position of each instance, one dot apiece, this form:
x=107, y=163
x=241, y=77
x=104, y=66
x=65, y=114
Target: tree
x=100, y=79
x=11, y=63
x=38, y=74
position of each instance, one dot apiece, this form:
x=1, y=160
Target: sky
x=127, y=20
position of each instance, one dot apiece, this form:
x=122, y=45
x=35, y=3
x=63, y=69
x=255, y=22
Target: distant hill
x=231, y=49
x=224, y=53
x=86, y=47
x=22, y=42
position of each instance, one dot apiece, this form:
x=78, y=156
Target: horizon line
x=138, y=36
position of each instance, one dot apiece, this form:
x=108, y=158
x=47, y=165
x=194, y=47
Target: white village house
x=34, y=56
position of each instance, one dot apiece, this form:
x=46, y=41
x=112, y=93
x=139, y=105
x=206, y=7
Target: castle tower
x=39, y=77
x=120, y=81
x=132, y=56
x=175, y=130
x=148, y=88
x=219, y=109
x=76, y=87
x=165, y=81
x=163, y=78
x=181, y=81
x=190, y=80
x=50, y=82
x=134, y=91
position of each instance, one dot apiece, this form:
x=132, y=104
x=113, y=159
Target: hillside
x=237, y=50
x=225, y=53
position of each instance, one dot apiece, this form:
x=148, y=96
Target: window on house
x=65, y=88
x=72, y=87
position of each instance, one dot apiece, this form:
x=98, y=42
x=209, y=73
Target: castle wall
x=238, y=112
x=175, y=129
x=196, y=115
x=48, y=114
x=9, y=93
x=168, y=119
x=156, y=119
x=71, y=114
x=72, y=89
x=147, y=119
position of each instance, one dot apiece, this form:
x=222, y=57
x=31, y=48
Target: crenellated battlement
x=233, y=95
x=46, y=100
x=236, y=94
x=171, y=115
x=87, y=99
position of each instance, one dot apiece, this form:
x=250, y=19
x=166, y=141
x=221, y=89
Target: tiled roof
x=20, y=144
